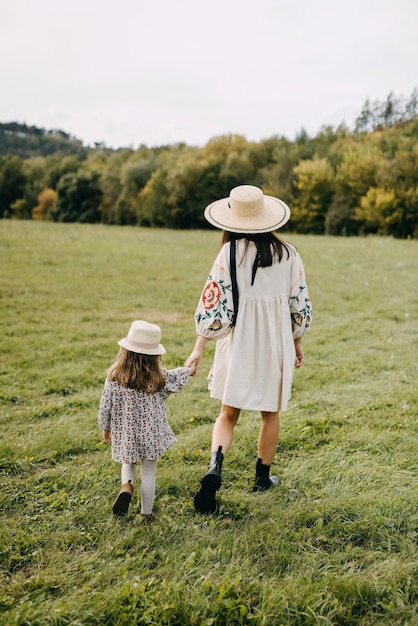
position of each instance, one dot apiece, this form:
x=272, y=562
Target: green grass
x=336, y=543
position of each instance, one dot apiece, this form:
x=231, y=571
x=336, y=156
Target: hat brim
x=154, y=351
x=275, y=215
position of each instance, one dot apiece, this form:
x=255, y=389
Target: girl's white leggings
x=148, y=472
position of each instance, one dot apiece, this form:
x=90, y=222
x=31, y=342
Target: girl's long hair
x=137, y=371
x=269, y=246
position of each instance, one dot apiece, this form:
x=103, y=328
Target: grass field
x=335, y=544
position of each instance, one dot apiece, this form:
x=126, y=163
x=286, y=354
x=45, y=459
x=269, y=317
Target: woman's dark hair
x=269, y=246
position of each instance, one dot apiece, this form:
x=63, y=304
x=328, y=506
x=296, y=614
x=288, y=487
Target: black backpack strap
x=255, y=267
x=233, y=267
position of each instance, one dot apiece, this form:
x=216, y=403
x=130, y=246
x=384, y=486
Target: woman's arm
x=300, y=357
x=195, y=356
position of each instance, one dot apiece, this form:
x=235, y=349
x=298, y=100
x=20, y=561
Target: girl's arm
x=105, y=411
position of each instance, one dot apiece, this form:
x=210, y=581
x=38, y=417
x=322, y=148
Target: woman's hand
x=193, y=361
x=194, y=358
x=300, y=356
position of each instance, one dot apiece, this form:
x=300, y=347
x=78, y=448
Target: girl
x=133, y=412
x=260, y=343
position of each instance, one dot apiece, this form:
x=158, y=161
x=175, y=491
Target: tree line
x=339, y=182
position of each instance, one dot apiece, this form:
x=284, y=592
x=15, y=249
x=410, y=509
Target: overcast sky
x=131, y=72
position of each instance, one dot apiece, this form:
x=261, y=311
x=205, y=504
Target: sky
x=158, y=72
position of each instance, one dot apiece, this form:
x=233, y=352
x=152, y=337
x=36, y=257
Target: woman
x=255, y=358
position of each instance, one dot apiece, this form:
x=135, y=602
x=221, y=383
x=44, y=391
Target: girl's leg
x=122, y=502
x=128, y=473
x=148, y=472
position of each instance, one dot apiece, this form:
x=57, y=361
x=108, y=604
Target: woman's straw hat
x=248, y=210
x=143, y=338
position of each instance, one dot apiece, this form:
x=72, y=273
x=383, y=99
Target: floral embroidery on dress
x=216, y=300
x=211, y=295
x=302, y=315
x=297, y=318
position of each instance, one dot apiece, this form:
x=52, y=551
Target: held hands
x=194, y=358
x=192, y=369
x=193, y=361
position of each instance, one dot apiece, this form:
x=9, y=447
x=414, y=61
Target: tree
x=134, y=176
x=79, y=198
x=340, y=218
x=356, y=169
x=35, y=173
x=154, y=205
x=411, y=107
x=277, y=171
x=374, y=207
x=364, y=122
x=315, y=184
x=12, y=183
x=111, y=209
x=47, y=201
x=399, y=175
x=387, y=113
x=57, y=166
x=391, y=112
x=198, y=184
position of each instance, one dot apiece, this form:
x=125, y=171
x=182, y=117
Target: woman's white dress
x=254, y=363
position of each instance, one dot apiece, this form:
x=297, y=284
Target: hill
x=30, y=141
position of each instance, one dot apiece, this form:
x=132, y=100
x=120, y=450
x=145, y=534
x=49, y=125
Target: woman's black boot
x=263, y=480
x=204, y=500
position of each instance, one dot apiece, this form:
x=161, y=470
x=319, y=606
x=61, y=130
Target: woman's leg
x=223, y=429
x=268, y=436
x=222, y=435
x=267, y=443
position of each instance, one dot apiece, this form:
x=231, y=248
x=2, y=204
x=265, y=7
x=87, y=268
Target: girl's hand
x=192, y=369
x=106, y=436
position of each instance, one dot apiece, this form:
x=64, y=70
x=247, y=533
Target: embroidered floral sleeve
x=215, y=309
x=300, y=302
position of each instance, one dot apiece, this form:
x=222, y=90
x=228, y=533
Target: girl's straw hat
x=248, y=210
x=143, y=338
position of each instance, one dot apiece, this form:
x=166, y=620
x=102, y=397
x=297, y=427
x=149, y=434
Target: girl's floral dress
x=254, y=362
x=137, y=420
